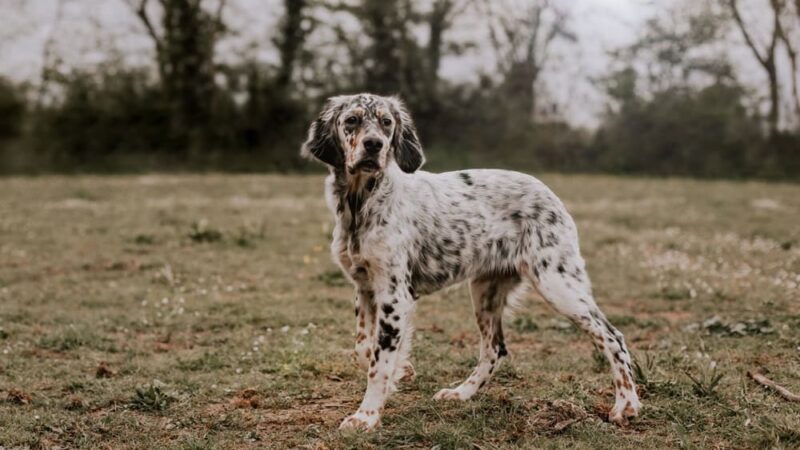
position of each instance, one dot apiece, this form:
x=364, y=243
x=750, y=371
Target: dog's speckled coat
x=401, y=233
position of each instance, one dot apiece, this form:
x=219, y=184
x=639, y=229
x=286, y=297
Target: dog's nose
x=373, y=145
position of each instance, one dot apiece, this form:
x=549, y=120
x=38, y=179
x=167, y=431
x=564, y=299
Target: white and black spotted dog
x=401, y=233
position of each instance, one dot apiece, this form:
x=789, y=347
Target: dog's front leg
x=365, y=326
x=394, y=308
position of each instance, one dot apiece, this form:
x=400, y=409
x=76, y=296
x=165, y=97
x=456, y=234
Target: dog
x=402, y=233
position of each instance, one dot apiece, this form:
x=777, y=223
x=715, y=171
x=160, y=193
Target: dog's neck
x=354, y=192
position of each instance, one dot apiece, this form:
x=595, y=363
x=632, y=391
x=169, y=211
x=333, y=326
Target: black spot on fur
x=466, y=178
x=502, y=350
x=536, y=211
x=387, y=309
x=388, y=336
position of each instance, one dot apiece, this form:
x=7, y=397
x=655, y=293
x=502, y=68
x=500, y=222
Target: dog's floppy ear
x=321, y=142
x=407, y=148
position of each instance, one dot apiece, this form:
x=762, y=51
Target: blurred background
x=700, y=88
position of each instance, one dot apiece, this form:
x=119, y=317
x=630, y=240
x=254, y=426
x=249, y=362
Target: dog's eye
x=386, y=121
x=352, y=120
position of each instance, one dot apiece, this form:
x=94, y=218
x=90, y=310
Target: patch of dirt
x=556, y=416
x=246, y=398
x=103, y=371
x=74, y=403
x=327, y=412
x=18, y=397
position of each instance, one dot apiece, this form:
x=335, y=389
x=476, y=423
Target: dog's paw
x=623, y=411
x=450, y=394
x=361, y=420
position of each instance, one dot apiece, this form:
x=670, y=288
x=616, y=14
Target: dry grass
x=204, y=312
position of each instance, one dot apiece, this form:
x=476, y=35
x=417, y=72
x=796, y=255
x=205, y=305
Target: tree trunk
x=437, y=25
x=774, y=100
x=767, y=59
x=290, y=41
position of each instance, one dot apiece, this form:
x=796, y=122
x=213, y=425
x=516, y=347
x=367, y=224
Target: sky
x=87, y=32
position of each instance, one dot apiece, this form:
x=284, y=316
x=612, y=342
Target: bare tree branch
x=140, y=10
x=219, y=24
x=743, y=28
x=47, y=53
x=785, y=393
x=767, y=60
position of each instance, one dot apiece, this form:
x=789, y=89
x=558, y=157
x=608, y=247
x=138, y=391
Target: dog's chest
x=361, y=251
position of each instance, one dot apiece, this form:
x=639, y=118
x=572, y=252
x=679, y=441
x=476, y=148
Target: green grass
x=204, y=312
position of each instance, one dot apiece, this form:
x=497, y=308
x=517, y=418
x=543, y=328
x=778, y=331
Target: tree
x=294, y=28
x=184, y=39
x=679, y=48
x=522, y=38
x=791, y=51
x=12, y=110
x=439, y=20
x=765, y=56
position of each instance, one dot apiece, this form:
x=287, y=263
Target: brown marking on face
x=370, y=114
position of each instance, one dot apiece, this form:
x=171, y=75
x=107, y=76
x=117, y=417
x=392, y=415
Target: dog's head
x=364, y=133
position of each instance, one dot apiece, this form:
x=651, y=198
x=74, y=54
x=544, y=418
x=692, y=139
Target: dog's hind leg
x=560, y=277
x=489, y=297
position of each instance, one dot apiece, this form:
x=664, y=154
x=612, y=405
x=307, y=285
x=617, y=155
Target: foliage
x=12, y=110
x=151, y=398
x=672, y=108
x=681, y=131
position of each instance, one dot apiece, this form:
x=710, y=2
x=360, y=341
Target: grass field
x=205, y=312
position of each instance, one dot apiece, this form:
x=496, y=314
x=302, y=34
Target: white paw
x=361, y=420
x=623, y=410
x=450, y=394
